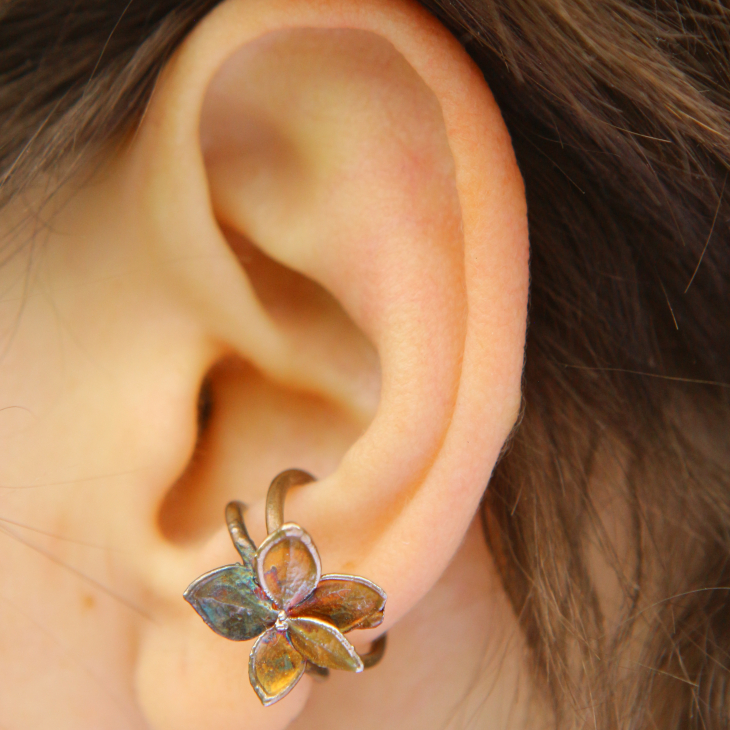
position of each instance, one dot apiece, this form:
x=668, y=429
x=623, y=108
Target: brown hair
x=619, y=116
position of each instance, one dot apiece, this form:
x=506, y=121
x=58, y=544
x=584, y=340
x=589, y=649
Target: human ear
x=331, y=226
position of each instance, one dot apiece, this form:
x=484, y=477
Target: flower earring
x=279, y=594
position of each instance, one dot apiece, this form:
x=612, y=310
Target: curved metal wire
x=277, y=494
x=377, y=649
x=239, y=534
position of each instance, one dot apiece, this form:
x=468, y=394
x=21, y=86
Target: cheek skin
x=85, y=369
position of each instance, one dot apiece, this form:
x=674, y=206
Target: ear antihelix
x=333, y=356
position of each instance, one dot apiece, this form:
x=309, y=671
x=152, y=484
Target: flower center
x=282, y=622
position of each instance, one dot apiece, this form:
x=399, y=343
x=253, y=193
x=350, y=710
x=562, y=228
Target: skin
x=321, y=214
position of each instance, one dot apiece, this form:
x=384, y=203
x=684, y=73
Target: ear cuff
x=278, y=594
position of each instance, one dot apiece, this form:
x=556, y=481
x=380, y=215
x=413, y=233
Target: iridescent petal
x=274, y=666
x=345, y=601
x=323, y=644
x=231, y=602
x=288, y=565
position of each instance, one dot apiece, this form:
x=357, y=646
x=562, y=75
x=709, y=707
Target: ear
x=325, y=196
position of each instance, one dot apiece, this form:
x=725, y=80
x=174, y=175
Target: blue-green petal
x=232, y=603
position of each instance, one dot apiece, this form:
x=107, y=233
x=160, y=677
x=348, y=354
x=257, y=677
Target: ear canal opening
x=251, y=426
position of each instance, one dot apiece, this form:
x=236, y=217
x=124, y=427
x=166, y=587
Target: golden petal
x=288, y=565
x=372, y=621
x=346, y=601
x=323, y=644
x=274, y=666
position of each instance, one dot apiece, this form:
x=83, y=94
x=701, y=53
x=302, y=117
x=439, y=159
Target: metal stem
x=239, y=533
x=277, y=494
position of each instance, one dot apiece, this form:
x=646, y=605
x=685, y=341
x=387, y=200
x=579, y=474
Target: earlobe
x=345, y=221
